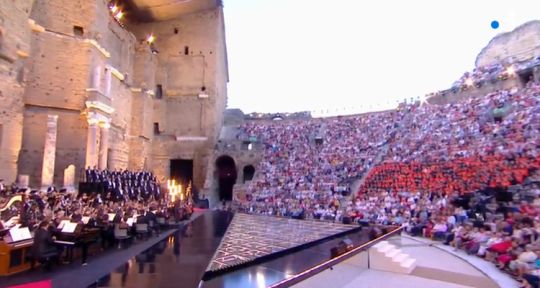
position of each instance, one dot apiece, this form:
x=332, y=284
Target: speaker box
x=346, y=242
x=342, y=247
x=338, y=250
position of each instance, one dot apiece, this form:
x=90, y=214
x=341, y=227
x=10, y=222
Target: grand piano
x=15, y=244
x=76, y=235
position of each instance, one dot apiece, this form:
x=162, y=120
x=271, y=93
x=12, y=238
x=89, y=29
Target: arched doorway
x=249, y=172
x=226, y=174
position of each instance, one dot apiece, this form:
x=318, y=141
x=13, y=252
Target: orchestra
x=55, y=227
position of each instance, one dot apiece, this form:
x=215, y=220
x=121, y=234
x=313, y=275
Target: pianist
x=43, y=248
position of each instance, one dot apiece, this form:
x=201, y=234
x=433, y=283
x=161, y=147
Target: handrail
x=332, y=262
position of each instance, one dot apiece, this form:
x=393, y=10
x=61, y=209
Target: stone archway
x=226, y=175
x=249, y=172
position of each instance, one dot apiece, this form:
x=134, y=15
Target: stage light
x=151, y=38
x=469, y=82
x=510, y=70
x=119, y=15
x=114, y=8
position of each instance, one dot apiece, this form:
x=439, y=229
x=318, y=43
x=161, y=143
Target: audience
x=437, y=170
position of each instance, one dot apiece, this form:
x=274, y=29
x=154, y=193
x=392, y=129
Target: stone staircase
x=387, y=257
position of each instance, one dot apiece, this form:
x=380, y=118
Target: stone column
x=91, y=143
x=49, y=152
x=96, y=78
x=108, y=82
x=104, y=144
x=69, y=178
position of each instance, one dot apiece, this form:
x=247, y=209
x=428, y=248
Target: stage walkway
x=436, y=267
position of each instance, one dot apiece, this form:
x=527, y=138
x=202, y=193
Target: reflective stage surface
x=182, y=259
x=251, y=237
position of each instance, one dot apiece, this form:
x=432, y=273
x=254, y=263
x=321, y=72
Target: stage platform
x=256, y=251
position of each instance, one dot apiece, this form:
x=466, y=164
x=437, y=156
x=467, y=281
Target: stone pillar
x=96, y=78
x=104, y=144
x=69, y=178
x=108, y=82
x=49, y=152
x=91, y=143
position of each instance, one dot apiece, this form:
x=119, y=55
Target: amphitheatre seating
x=463, y=175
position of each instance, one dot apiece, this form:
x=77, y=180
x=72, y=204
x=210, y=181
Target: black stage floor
x=182, y=259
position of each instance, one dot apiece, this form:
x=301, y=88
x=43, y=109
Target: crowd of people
x=416, y=164
x=449, y=149
x=125, y=185
x=480, y=74
x=308, y=165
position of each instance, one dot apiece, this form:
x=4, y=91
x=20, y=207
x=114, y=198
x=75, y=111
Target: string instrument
x=12, y=208
x=13, y=254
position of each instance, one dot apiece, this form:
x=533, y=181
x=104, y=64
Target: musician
x=43, y=247
x=60, y=215
x=97, y=201
x=76, y=217
x=142, y=218
x=151, y=215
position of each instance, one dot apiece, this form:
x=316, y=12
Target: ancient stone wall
x=98, y=80
x=71, y=140
x=190, y=56
x=75, y=60
x=521, y=44
x=61, y=16
x=449, y=96
x=15, y=33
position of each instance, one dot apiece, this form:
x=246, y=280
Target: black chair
x=46, y=259
x=121, y=235
x=153, y=226
x=142, y=230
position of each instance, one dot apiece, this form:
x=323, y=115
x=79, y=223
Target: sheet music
x=11, y=223
x=85, y=219
x=69, y=227
x=62, y=223
x=111, y=216
x=19, y=234
x=129, y=222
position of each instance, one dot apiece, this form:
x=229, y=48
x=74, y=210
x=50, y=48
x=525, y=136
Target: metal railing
x=332, y=262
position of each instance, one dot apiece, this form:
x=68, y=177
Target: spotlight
x=150, y=39
x=510, y=70
x=114, y=8
x=119, y=15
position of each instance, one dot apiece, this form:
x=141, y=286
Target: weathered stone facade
x=15, y=33
x=98, y=78
x=521, y=44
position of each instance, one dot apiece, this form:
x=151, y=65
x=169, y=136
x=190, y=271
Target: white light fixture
x=151, y=38
x=202, y=93
x=510, y=70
